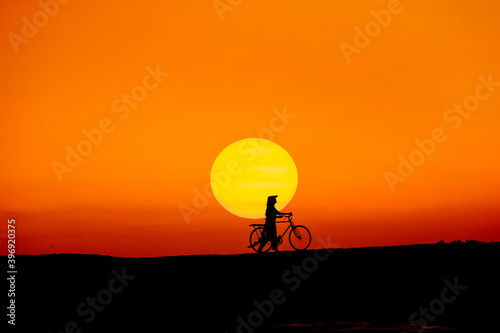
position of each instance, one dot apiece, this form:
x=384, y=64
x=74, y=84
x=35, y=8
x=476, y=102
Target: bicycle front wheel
x=255, y=237
x=299, y=237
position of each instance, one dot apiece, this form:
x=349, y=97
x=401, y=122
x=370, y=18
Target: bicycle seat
x=256, y=225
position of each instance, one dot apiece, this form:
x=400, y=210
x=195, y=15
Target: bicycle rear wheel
x=299, y=237
x=255, y=237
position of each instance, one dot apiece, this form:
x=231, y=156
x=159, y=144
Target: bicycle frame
x=286, y=219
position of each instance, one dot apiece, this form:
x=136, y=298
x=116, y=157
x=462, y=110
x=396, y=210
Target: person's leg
x=263, y=238
x=273, y=235
x=263, y=242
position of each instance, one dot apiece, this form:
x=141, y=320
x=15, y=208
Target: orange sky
x=355, y=114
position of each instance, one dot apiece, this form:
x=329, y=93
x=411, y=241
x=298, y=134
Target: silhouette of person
x=269, y=233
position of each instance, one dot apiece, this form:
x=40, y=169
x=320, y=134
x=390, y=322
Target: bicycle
x=299, y=236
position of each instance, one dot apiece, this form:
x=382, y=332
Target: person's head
x=271, y=200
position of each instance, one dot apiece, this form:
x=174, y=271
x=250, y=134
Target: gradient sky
x=226, y=81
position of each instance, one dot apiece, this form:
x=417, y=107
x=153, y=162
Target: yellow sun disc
x=248, y=171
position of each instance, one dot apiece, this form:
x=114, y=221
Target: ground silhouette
x=328, y=291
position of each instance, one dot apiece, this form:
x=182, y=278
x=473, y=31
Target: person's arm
x=278, y=213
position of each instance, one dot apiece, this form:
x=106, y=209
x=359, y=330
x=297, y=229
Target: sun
x=248, y=171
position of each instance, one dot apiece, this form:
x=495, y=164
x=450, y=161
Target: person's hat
x=271, y=199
